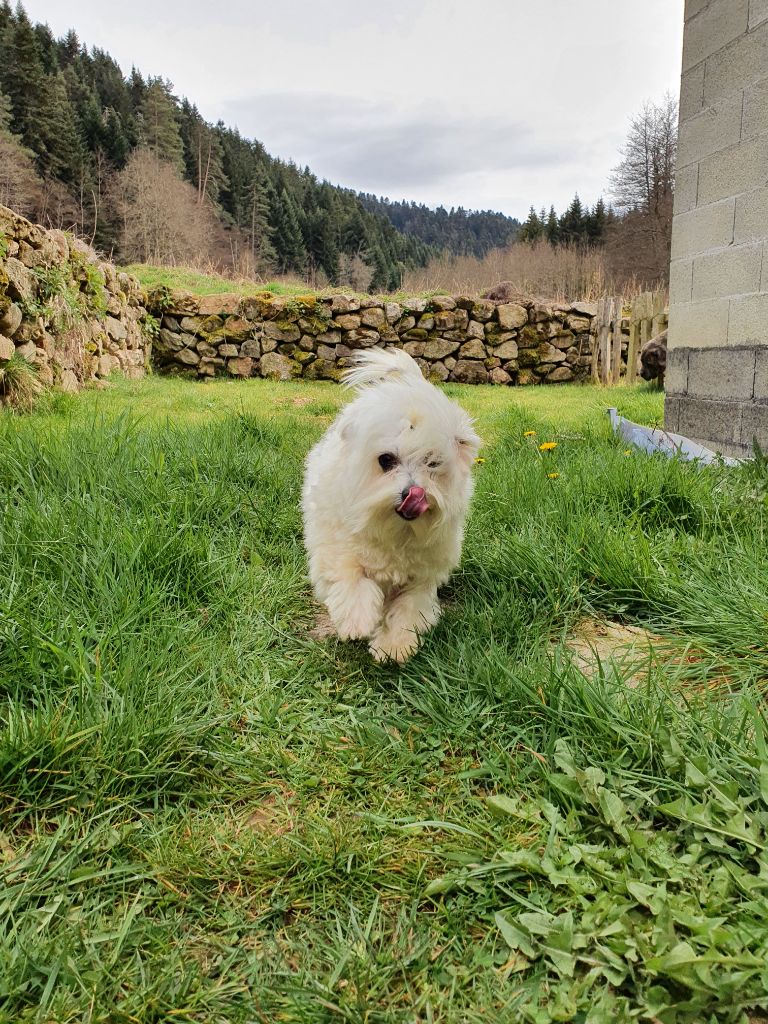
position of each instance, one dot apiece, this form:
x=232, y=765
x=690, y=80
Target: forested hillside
x=457, y=231
x=125, y=162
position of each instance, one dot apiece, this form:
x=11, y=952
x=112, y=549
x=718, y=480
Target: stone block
x=760, y=391
x=512, y=315
x=699, y=324
x=748, y=322
x=733, y=171
x=482, y=310
x=671, y=413
x=721, y=373
x=686, y=188
x=279, y=367
x=681, y=281
x=473, y=349
x=240, y=367
x=751, y=216
x=559, y=375
x=344, y=304
x=716, y=127
x=692, y=7
x=754, y=426
x=738, y=65
x=731, y=271
x=712, y=28
x=691, y=92
x=755, y=119
x=758, y=12
x=469, y=371
x=439, y=348
x=701, y=230
x=710, y=422
x=676, y=376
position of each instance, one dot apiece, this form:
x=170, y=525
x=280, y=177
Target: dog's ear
x=467, y=445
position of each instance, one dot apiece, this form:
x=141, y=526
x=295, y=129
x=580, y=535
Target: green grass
x=208, y=815
x=186, y=279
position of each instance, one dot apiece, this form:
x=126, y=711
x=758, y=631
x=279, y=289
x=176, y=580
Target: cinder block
x=716, y=127
x=676, y=377
x=681, y=281
x=698, y=324
x=754, y=425
x=671, y=412
x=710, y=422
x=751, y=216
x=748, y=321
x=758, y=12
x=733, y=171
x=738, y=65
x=686, y=188
x=721, y=373
x=755, y=119
x=732, y=271
x=712, y=28
x=691, y=92
x=761, y=375
x=703, y=229
x=692, y=7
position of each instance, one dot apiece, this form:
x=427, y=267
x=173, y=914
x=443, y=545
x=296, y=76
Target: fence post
x=616, y=311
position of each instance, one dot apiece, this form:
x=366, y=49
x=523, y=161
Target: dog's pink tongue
x=414, y=503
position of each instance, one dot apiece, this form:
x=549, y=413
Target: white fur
x=376, y=573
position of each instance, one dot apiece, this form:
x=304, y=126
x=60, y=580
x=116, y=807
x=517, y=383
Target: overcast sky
x=488, y=104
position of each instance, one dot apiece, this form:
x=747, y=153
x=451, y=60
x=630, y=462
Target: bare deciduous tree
x=20, y=186
x=161, y=219
x=642, y=186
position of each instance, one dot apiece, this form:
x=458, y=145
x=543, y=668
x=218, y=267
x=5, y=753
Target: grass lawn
x=209, y=814
x=189, y=280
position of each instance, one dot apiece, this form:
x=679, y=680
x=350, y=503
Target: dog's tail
x=373, y=365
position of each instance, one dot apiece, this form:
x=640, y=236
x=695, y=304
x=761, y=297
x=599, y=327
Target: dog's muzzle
x=414, y=503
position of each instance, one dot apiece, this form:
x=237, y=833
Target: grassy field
x=210, y=814
x=201, y=283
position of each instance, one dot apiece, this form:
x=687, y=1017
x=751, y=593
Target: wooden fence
x=621, y=329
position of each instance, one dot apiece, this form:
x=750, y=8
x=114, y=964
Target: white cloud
x=485, y=104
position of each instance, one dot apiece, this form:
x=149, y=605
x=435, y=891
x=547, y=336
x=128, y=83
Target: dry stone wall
x=453, y=338
x=72, y=316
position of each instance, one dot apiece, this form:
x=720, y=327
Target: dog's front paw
x=394, y=646
x=355, y=608
x=359, y=623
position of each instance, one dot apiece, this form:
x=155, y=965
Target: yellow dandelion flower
x=628, y=451
x=552, y=476
x=479, y=461
x=529, y=433
x=547, y=446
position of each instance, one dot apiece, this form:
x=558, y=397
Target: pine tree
x=114, y=138
x=259, y=231
x=22, y=78
x=552, y=228
x=597, y=223
x=572, y=223
x=63, y=155
x=289, y=241
x=532, y=229
x=160, y=128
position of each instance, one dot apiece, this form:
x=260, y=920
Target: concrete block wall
x=717, y=376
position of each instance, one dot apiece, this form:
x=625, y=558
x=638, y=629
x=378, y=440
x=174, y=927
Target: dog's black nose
x=404, y=494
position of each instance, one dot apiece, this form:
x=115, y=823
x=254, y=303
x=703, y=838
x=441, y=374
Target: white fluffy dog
x=386, y=493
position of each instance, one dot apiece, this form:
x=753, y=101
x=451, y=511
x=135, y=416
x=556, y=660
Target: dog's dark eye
x=387, y=461
x=434, y=465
